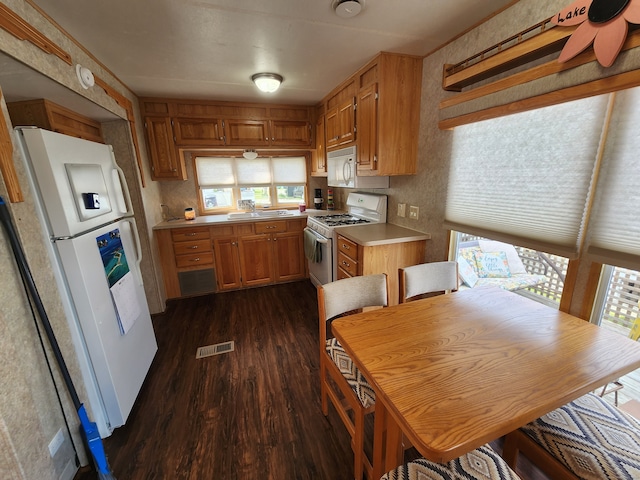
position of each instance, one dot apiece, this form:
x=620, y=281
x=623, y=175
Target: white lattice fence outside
x=621, y=305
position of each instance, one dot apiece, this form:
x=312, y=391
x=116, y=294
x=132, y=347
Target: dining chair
x=353, y=393
x=616, y=385
x=425, y=278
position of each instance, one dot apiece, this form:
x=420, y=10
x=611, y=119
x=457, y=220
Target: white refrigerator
x=85, y=210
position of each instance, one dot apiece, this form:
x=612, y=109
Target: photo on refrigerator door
x=113, y=257
x=119, y=278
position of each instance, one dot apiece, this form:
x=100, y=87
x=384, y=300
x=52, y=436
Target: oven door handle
x=319, y=237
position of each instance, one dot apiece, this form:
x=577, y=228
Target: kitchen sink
x=264, y=213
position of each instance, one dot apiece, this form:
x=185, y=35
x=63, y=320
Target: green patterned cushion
x=354, y=377
x=592, y=438
x=480, y=464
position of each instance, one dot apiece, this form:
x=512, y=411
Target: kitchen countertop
x=208, y=220
x=381, y=234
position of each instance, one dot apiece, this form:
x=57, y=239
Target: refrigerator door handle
x=136, y=238
x=123, y=200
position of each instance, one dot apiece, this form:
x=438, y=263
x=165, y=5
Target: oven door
x=321, y=272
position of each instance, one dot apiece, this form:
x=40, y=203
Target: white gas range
x=362, y=209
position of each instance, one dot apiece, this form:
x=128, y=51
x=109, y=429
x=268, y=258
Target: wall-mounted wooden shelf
x=533, y=43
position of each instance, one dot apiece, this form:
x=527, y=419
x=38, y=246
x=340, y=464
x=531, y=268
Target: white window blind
x=253, y=172
x=525, y=178
x=218, y=172
x=614, y=231
x=289, y=170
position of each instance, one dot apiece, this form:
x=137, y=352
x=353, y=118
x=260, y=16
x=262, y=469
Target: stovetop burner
x=340, y=219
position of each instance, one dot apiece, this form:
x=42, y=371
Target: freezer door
x=101, y=269
x=80, y=185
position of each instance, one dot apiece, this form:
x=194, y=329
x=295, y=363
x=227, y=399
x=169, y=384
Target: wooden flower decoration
x=602, y=22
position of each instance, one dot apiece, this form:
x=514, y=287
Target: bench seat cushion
x=514, y=282
x=591, y=438
x=480, y=464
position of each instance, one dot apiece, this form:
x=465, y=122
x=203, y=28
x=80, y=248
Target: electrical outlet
x=402, y=209
x=56, y=443
x=413, y=212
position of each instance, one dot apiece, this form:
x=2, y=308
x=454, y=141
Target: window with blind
x=269, y=181
x=525, y=178
x=614, y=230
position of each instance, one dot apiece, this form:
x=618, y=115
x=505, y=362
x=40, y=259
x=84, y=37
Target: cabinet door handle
x=346, y=247
x=197, y=259
x=194, y=247
x=190, y=234
x=346, y=264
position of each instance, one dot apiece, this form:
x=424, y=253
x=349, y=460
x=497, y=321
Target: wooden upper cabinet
x=340, y=124
x=287, y=132
x=367, y=120
x=51, y=116
x=165, y=162
x=399, y=80
x=319, y=156
x=247, y=132
x=199, y=131
x=387, y=114
x=175, y=125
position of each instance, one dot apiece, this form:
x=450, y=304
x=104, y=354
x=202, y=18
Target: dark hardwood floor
x=253, y=413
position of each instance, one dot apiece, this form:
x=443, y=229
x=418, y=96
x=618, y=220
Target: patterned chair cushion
x=480, y=464
x=591, y=438
x=354, y=377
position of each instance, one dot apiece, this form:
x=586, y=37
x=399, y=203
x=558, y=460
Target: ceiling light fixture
x=267, y=82
x=250, y=154
x=348, y=8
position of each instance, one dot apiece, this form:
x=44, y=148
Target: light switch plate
x=402, y=209
x=413, y=212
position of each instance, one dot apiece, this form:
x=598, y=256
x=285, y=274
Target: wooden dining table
x=454, y=372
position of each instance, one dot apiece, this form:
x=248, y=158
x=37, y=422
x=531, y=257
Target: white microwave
x=341, y=171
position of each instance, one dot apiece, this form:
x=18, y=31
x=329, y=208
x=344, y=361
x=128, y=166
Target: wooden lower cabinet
x=227, y=263
x=187, y=260
x=355, y=260
x=256, y=262
x=275, y=253
x=200, y=260
x=289, y=261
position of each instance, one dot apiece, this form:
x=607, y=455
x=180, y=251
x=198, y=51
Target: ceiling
x=208, y=49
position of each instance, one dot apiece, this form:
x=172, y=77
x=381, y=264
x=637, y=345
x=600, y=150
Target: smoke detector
x=85, y=77
x=348, y=8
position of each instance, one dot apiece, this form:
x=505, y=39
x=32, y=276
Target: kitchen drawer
x=271, y=227
x=347, y=247
x=194, y=259
x=223, y=231
x=342, y=274
x=189, y=234
x=348, y=264
x=198, y=246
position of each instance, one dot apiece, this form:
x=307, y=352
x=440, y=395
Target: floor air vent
x=216, y=349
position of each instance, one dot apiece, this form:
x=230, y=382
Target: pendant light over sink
x=267, y=82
